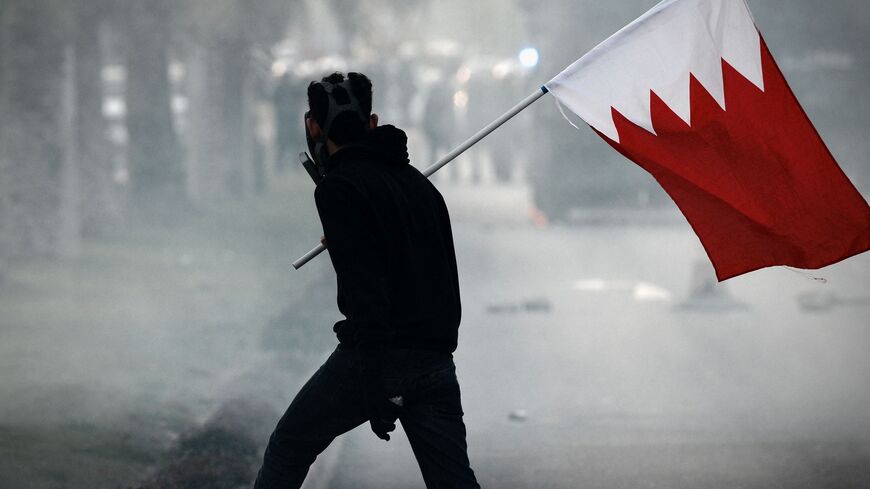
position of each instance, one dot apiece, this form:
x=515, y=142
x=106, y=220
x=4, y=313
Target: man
x=390, y=242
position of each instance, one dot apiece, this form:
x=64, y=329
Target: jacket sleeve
x=356, y=248
x=450, y=251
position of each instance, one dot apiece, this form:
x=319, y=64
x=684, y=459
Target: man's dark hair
x=346, y=127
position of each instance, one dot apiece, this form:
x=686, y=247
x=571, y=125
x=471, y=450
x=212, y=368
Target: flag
x=690, y=92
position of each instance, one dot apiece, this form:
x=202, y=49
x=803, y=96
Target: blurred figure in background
x=438, y=119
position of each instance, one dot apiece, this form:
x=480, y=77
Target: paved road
x=585, y=362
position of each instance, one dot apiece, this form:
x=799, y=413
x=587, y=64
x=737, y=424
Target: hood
x=387, y=144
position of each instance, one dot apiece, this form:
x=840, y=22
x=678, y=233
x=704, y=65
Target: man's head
x=352, y=112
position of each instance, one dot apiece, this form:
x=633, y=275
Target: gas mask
x=341, y=100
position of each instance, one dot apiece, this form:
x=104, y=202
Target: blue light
x=529, y=57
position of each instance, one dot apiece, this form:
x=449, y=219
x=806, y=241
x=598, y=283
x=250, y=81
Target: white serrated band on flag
x=657, y=52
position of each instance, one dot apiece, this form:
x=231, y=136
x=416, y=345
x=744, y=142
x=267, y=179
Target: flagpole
x=492, y=126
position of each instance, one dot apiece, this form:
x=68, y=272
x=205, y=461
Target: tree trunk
x=225, y=157
x=156, y=174
x=5, y=191
x=232, y=59
x=99, y=203
x=198, y=132
x=561, y=177
x=249, y=161
x=32, y=92
x=220, y=137
x=69, y=233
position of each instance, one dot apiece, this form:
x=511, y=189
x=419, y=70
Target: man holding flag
x=690, y=92
x=391, y=245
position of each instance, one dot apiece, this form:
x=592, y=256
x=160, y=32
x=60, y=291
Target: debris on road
x=518, y=415
x=534, y=306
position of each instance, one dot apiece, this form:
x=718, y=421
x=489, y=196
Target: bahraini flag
x=691, y=93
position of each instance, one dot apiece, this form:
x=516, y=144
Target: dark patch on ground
x=222, y=454
x=77, y=455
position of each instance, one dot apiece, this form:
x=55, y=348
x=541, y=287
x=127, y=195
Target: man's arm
x=357, y=254
x=350, y=229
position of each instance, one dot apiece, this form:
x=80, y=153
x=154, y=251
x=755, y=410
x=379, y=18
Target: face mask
x=319, y=154
x=340, y=101
x=311, y=168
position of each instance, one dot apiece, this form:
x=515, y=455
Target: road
x=585, y=360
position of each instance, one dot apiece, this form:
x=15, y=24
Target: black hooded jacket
x=390, y=242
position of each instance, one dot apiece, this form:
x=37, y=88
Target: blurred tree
x=217, y=54
x=219, y=39
x=575, y=168
x=31, y=151
x=359, y=21
x=156, y=172
x=372, y=35
x=5, y=192
x=99, y=201
x=351, y=18
x=5, y=183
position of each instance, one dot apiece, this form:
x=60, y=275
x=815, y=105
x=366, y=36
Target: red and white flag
x=690, y=92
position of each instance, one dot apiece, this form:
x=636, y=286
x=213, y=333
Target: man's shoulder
x=335, y=186
x=371, y=177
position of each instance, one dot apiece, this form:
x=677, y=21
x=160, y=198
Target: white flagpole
x=492, y=126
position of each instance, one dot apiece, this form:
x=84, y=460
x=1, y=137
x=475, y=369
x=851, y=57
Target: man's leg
x=328, y=405
x=433, y=423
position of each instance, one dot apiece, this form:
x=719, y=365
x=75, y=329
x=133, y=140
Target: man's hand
x=382, y=410
x=382, y=426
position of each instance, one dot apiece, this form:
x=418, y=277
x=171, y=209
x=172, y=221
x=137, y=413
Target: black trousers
x=330, y=404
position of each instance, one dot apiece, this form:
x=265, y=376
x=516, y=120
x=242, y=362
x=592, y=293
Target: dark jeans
x=331, y=404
